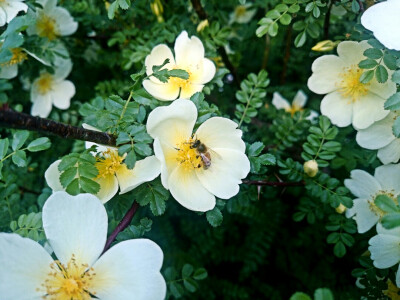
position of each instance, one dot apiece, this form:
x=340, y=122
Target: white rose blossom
x=385, y=249
x=76, y=228
x=113, y=172
x=52, y=21
x=383, y=20
x=348, y=101
x=366, y=188
x=197, y=167
x=9, y=69
x=52, y=89
x=242, y=14
x=9, y=10
x=299, y=101
x=379, y=136
x=189, y=56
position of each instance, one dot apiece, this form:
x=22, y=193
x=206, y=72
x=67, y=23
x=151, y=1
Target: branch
x=126, y=220
x=327, y=19
x=17, y=120
x=199, y=9
x=272, y=183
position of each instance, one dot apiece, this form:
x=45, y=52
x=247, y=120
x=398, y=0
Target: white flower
x=348, y=101
x=366, y=188
x=9, y=69
x=52, y=21
x=383, y=20
x=379, y=136
x=52, y=89
x=113, y=173
x=242, y=14
x=9, y=10
x=189, y=56
x=385, y=249
x=196, y=167
x=299, y=101
x=76, y=228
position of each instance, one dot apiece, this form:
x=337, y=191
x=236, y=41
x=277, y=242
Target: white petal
x=62, y=66
x=367, y=110
x=224, y=175
x=378, y=135
x=161, y=91
x=24, y=267
x=62, y=93
x=364, y=216
x=9, y=72
x=130, y=268
x=206, y=73
x=3, y=17
x=279, y=102
x=12, y=9
x=157, y=56
x=66, y=23
x=300, y=99
x=75, y=225
x=382, y=230
x=186, y=188
x=188, y=52
x=352, y=52
x=190, y=89
x=166, y=155
x=389, y=177
x=398, y=276
x=337, y=109
x=145, y=170
x=52, y=176
x=174, y=123
x=326, y=70
x=380, y=19
x=362, y=184
x=218, y=132
x=390, y=153
x=100, y=148
x=42, y=104
x=108, y=187
x=383, y=90
x=385, y=250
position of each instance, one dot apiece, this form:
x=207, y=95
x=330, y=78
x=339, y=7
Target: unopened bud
x=157, y=9
x=311, y=168
x=324, y=46
x=203, y=24
x=341, y=208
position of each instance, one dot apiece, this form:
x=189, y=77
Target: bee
x=203, y=152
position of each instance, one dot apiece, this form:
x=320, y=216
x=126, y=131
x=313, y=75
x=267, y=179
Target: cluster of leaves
x=257, y=160
x=29, y=226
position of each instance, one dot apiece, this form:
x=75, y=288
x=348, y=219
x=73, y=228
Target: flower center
x=350, y=86
x=240, y=10
x=44, y=83
x=109, y=163
x=69, y=282
x=47, y=27
x=181, y=83
x=18, y=56
x=188, y=156
x=293, y=109
x=375, y=209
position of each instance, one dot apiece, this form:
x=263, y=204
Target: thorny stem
x=287, y=54
x=272, y=183
x=126, y=220
x=327, y=19
x=17, y=120
x=125, y=107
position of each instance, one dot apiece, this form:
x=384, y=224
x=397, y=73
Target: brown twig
x=126, y=220
x=328, y=19
x=362, y=9
x=272, y=183
x=12, y=119
x=287, y=54
x=199, y=9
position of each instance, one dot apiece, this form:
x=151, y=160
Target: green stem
x=125, y=107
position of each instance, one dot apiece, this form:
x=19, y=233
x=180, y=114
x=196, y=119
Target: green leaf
x=200, y=274
x=112, y=9
x=381, y=74
x=73, y=187
x=68, y=176
x=3, y=147
x=273, y=29
x=39, y=144
x=187, y=270
x=255, y=149
x=367, y=76
x=130, y=159
x=386, y=203
x=190, y=284
x=391, y=220
x=323, y=294
x=393, y=103
x=300, y=296
x=396, y=127
x=396, y=77
x=285, y=19
x=300, y=39
x=19, y=158
x=267, y=159
x=88, y=185
x=214, y=217
x=142, y=149
x=124, y=4
x=19, y=139
x=339, y=250
x=179, y=73
x=390, y=61
x=367, y=64
x=373, y=53
x=123, y=138
x=87, y=170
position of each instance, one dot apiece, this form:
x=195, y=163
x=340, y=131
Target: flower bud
x=341, y=208
x=324, y=46
x=203, y=24
x=157, y=9
x=311, y=168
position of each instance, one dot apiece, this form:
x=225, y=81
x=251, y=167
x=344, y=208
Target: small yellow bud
x=324, y=46
x=157, y=9
x=203, y=24
x=341, y=208
x=311, y=168
x=107, y=5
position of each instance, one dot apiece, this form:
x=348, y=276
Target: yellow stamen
x=47, y=27
x=109, y=163
x=181, y=83
x=72, y=281
x=188, y=156
x=350, y=86
x=18, y=56
x=393, y=292
x=45, y=83
x=240, y=10
x=375, y=209
x=293, y=109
